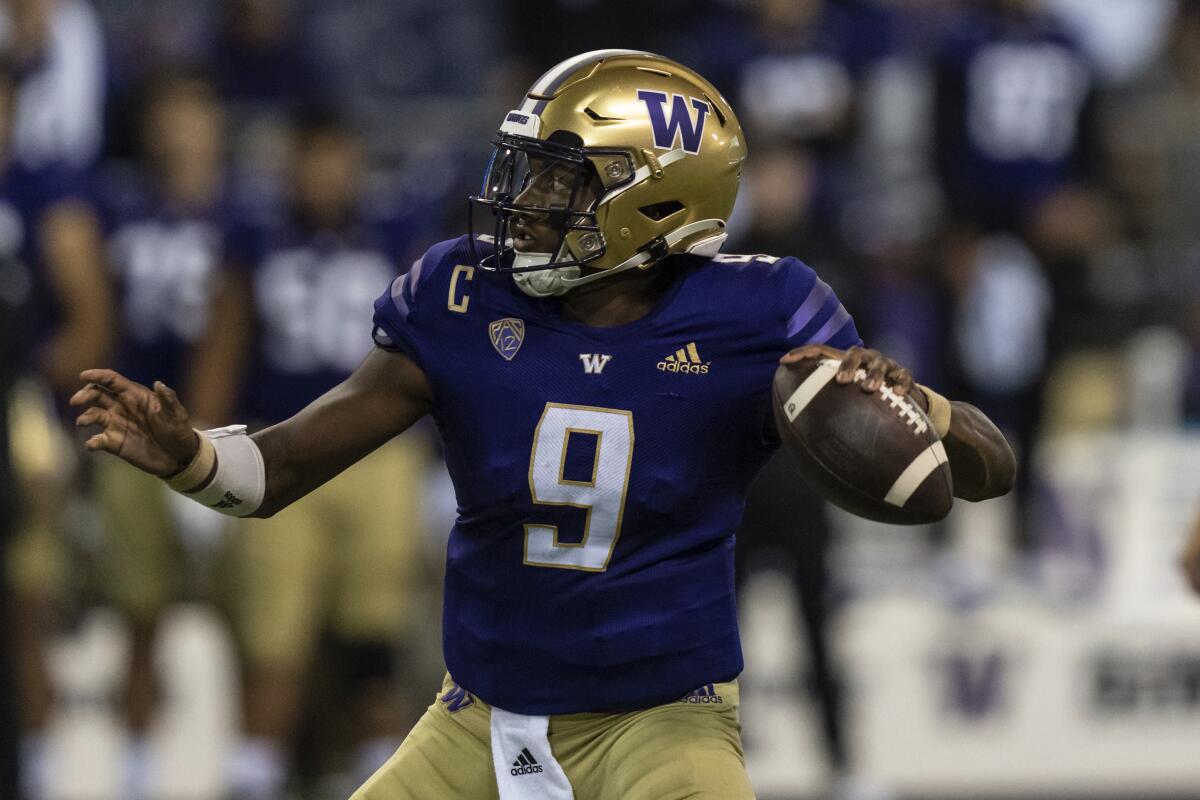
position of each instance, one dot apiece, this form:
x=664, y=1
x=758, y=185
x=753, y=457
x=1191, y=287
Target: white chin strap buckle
x=542, y=282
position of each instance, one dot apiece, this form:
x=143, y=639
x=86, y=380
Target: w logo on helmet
x=679, y=125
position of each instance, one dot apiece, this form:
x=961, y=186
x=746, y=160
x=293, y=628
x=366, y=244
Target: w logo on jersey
x=679, y=124
x=594, y=363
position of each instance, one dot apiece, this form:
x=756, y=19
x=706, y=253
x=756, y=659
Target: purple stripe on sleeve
x=808, y=309
x=832, y=326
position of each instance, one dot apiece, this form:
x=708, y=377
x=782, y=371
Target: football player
x=600, y=376
x=339, y=565
x=164, y=221
x=50, y=264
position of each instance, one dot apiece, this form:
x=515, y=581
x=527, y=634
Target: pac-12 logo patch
x=676, y=123
x=507, y=336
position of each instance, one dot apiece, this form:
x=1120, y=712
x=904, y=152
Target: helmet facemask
x=645, y=155
x=539, y=199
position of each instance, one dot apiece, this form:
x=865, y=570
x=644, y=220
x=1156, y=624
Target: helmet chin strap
x=560, y=280
x=542, y=282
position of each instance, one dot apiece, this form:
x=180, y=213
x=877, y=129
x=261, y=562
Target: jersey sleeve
x=813, y=311
x=401, y=323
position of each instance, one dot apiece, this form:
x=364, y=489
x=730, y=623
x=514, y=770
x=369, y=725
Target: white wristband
x=240, y=481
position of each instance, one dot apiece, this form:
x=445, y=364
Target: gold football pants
x=686, y=749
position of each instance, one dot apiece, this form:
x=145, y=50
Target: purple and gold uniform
x=600, y=472
x=36, y=560
x=165, y=261
x=337, y=560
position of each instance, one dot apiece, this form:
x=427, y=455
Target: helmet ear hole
x=660, y=211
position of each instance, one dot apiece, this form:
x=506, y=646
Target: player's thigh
x=670, y=752
x=279, y=591
x=378, y=541
x=35, y=559
x=140, y=548
x=446, y=756
x=44, y=474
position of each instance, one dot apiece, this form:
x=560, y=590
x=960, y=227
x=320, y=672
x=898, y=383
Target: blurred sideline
x=1075, y=673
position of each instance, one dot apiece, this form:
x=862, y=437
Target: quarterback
x=599, y=373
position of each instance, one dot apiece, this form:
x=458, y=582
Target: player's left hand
x=877, y=366
x=1189, y=562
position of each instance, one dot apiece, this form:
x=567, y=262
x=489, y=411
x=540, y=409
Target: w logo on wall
x=677, y=123
x=974, y=684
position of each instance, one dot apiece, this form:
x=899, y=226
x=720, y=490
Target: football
x=875, y=455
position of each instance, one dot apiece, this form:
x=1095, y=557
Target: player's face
x=326, y=176
x=185, y=128
x=551, y=184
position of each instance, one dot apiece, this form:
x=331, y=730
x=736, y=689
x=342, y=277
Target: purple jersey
x=600, y=472
x=1012, y=121
x=165, y=261
x=312, y=297
x=26, y=196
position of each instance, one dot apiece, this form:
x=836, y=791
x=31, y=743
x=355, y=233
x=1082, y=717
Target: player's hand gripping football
x=877, y=366
x=149, y=428
x=1189, y=562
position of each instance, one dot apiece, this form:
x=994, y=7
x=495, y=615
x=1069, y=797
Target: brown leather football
x=874, y=454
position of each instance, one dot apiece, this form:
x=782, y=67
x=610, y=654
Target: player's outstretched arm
x=981, y=460
x=380, y=400
x=150, y=429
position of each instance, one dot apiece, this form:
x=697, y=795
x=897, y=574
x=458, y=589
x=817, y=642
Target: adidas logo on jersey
x=525, y=764
x=685, y=359
x=704, y=695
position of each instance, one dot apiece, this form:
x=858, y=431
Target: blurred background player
x=1015, y=150
x=58, y=46
x=339, y=566
x=165, y=217
x=51, y=245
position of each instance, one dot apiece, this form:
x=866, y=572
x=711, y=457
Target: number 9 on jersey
x=602, y=497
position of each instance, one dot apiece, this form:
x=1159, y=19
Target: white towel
x=525, y=767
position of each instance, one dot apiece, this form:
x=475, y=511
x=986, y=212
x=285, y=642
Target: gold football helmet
x=615, y=160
